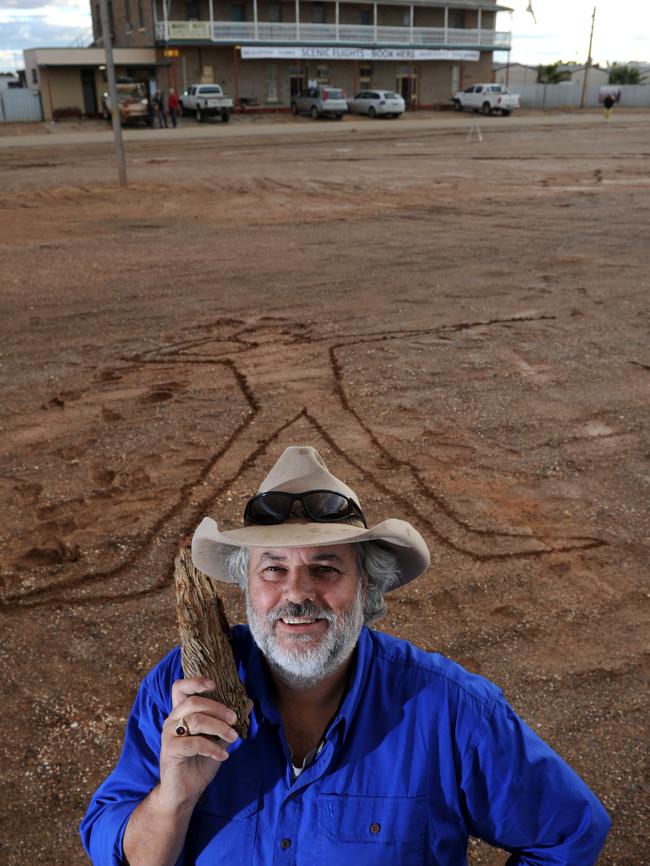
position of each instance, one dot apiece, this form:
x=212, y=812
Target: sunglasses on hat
x=321, y=506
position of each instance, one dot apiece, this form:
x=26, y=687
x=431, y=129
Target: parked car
x=486, y=98
x=132, y=102
x=321, y=101
x=377, y=102
x=206, y=100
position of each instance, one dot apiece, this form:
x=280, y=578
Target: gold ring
x=181, y=729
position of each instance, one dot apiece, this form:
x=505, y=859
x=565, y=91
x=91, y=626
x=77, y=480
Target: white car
x=377, y=102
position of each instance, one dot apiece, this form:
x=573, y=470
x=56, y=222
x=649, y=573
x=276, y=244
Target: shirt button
x=375, y=828
x=286, y=843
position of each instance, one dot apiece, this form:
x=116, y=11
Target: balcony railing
x=229, y=32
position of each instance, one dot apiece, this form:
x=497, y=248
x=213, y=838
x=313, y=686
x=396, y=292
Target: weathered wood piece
x=205, y=638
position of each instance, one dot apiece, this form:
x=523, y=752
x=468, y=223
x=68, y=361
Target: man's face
x=305, y=609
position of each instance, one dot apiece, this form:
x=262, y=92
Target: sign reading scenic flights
x=304, y=52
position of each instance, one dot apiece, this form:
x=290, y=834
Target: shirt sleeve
x=135, y=775
x=522, y=797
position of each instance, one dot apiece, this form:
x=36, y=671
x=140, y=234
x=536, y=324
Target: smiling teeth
x=293, y=621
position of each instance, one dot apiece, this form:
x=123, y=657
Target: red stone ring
x=181, y=729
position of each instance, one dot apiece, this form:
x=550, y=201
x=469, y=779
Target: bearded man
x=362, y=748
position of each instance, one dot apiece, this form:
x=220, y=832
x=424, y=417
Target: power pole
x=591, y=39
x=112, y=92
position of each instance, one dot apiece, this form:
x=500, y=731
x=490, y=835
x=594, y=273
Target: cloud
x=36, y=33
x=39, y=24
x=24, y=5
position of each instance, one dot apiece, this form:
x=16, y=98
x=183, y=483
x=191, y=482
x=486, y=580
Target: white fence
x=542, y=96
x=19, y=105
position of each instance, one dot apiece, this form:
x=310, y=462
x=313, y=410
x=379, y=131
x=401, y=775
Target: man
x=362, y=749
x=172, y=104
x=159, y=100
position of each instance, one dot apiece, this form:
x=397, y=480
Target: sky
x=560, y=32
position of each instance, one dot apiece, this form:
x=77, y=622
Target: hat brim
x=210, y=546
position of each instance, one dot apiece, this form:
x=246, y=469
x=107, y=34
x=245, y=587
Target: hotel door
x=89, y=90
x=407, y=87
x=296, y=80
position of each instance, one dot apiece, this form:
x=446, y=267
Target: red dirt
x=460, y=327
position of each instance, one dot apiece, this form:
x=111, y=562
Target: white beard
x=301, y=665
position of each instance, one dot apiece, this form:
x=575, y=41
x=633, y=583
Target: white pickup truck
x=486, y=98
x=206, y=100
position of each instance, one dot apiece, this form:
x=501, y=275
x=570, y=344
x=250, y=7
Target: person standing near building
x=160, y=108
x=172, y=104
x=608, y=103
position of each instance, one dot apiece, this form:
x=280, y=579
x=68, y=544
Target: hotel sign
x=304, y=52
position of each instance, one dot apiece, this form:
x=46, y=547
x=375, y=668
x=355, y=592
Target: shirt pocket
x=371, y=830
x=224, y=823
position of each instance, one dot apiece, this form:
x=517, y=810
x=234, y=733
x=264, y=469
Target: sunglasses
x=321, y=506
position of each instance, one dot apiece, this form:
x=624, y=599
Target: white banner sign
x=306, y=52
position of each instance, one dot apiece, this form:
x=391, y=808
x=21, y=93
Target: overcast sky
x=561, y=31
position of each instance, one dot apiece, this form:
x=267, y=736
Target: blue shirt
x=420, y=755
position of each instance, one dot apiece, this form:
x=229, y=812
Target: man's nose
x=299, y=584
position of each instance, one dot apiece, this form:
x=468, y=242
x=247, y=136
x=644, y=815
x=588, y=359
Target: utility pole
x=591, y=39
x=112, y=92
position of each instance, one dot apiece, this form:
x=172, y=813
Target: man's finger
x=197, y=704
x=192, y=747
x=202, y=723
x=182, y=689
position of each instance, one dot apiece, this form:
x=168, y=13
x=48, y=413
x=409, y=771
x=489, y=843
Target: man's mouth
x=299, y=620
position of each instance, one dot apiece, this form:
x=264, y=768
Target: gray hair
x=375, y=561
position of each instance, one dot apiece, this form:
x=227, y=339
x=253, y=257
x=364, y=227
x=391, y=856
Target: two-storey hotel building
x=264, y=51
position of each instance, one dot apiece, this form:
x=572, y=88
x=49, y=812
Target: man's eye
x=326, y=570
x=273, y=572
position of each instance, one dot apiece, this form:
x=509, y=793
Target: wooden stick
x=205, y=638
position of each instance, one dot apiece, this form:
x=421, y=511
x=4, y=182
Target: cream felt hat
x=301, y=470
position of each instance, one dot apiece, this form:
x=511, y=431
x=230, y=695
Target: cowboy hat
x=299, y=470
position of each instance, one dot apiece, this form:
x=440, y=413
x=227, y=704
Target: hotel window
x=141, y=13
x=34, y=76
x=275, y=12
x=318, y=13
x=192, y=10
x=127, y=15
x=406, y=18
x=365, y=76
x=365, y=17
x=323, y=74
x=456, y=19
x=237, y=12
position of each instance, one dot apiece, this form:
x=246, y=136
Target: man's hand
x=189, y=763
x=156, y=830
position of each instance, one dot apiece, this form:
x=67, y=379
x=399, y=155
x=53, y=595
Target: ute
x=132, y=103
x=206, y=100
x=486, y=98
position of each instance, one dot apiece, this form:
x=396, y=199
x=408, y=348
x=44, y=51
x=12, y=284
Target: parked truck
x=206, y=100
x=132, y=103
x=486, y=98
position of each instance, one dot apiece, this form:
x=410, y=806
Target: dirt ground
x=459, y=326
